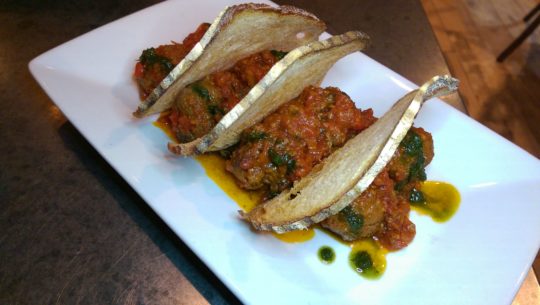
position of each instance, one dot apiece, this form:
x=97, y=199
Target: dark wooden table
x=71, y=230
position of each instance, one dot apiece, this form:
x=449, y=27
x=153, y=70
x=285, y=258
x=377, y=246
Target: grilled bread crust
x=304, y=66
x=237, y=32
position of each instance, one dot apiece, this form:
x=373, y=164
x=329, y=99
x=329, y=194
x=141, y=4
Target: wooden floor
x=503, y=96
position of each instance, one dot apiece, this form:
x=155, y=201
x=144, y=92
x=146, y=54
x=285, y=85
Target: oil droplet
x=161, y=124
x=298, y=236
x=440, y=200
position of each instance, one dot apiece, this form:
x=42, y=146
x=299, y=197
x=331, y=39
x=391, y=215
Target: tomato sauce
x=288, y=143
x=155, y=63
x=200, y=106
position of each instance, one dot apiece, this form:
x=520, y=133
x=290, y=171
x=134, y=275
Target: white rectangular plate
x=480, y=256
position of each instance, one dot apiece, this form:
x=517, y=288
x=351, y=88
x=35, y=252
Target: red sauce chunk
x=155, y=63
x=287, y=144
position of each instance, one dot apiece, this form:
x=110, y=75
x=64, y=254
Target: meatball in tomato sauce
x=288, y=143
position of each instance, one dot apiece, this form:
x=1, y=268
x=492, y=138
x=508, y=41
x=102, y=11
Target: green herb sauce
x=215, y=109
x=149, y=57
x=282, y=159
x=416, y=197
x=278, y=54
x=326, y=254
x=412, y=145
x=439, y=200
x=361, y=261
x=255, y=136
x=354, y=221
x=201, y=91
x=368, y=259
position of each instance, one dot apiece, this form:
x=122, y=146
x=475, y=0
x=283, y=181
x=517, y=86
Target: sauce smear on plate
x=214, y=165
x=439, y=200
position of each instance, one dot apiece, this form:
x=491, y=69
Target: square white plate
x=480, y=256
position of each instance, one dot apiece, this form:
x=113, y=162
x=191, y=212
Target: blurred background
x=505, y=96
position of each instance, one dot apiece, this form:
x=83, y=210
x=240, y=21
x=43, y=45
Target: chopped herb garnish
x=417, y=169
x=201, y=91
x=354, y=221
x=399, y=185
x=256, y=136
x=215, y=110
x=149, y=57
x=291, y=164
x=284, y=159
x=278, y=54
x=275, y=158
x=417, y=197
x=413, y=146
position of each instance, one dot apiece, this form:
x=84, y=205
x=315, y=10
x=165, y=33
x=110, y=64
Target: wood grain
x=503, y=96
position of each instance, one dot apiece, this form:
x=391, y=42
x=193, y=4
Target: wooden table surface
x=54, y=248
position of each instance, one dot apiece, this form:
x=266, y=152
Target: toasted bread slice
x=304, y=66
x=344, y=175
x=237, y=32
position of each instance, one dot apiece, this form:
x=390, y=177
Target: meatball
x=288, y=143
x=200, y=106
x=383, y=209
x=364, y=216
x=155, y=63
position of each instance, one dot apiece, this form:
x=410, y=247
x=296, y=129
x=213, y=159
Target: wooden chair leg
x=517, y=42
x=532, y=13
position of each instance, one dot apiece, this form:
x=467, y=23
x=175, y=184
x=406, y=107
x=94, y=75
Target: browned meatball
x=286, y=145
x=383, y=209
x=200, y=106
x=364, y=217
x=155, y=63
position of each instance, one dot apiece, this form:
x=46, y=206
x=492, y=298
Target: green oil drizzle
x=368, y=258
x=326, y=254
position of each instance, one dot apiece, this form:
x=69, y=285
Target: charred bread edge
x=224, y=19
x=437, y=86
x=206, y=143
